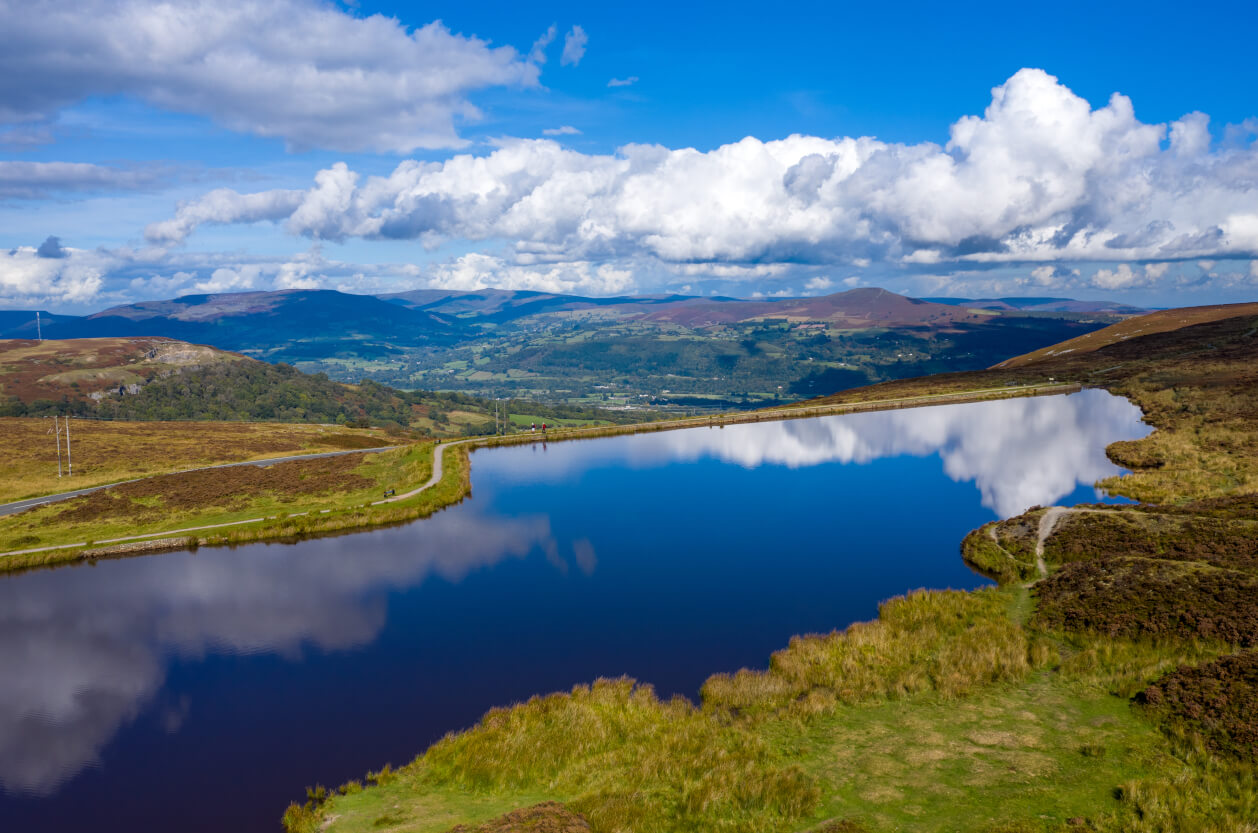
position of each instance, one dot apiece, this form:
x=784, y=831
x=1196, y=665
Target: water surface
x=203, y=691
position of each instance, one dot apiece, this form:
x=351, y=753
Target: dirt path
x=1048, y=522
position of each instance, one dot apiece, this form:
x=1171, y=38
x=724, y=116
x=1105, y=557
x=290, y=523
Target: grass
x=998, y=710
x=284, y=508
x=992, y=734
x=106, y=452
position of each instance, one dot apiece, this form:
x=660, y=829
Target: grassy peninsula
x=1107, y=684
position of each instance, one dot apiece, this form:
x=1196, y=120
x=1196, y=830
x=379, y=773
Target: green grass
x=1024, y=747
x=952, y=711
x=402, y=469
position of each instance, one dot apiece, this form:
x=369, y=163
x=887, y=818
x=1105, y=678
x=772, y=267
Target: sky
x=1097, y=151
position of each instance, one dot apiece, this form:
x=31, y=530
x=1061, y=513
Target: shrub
x=1118, y=596
x=1217, y=702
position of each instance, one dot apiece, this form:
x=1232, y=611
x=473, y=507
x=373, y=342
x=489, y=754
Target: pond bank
x=449, y=484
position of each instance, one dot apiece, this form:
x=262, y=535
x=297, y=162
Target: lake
x=203, y=691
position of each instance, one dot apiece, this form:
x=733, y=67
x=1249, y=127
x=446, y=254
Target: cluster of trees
x=256, y=391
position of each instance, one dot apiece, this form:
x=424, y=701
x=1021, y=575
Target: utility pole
x=56, y=429
x=39, y=329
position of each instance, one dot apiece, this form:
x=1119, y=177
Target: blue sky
x=656, y=147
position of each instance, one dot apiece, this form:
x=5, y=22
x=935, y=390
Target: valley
x=636, y=353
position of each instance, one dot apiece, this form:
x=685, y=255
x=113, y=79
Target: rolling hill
x=1163, y=321
x=82, y=370
x=162, y=379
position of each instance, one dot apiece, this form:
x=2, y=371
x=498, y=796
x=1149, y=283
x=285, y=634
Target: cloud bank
x=1041, y=176
x=301, y=70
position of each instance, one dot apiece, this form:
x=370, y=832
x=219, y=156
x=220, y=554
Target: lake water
x=203, y=691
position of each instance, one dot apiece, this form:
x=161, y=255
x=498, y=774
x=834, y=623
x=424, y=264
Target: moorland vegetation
x=1108, y=683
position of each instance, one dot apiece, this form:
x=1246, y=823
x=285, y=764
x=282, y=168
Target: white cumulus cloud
x=301, y=70
x=1040, y=176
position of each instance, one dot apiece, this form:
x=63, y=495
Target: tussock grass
x=949, y=642
x=989, y=552
x=952, y=711
x=106, y=452
x=625, y=759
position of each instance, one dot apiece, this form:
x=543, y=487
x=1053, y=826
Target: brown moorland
x=154, y=497
x=107, y=452
x=1162, y=321
x=76, y=368
x=1220, y=697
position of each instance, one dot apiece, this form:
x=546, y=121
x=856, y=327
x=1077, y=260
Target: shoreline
x=315, y=522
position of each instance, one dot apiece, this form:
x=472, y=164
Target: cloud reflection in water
x=84, y=649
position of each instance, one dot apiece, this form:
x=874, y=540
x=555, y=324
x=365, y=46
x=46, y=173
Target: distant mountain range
x=1041, y=305
x=257, y=320
x=624, y=351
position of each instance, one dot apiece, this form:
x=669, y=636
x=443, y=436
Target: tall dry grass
x=626, y=760
x=944, y=641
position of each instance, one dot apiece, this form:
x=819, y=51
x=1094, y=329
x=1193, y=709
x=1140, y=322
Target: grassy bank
x=301, y=498
x=1009, y=709
x=294, y=499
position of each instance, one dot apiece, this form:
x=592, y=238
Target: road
x=30, y=503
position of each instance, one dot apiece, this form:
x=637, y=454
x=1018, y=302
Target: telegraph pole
x=56, y=430
x=39, y=329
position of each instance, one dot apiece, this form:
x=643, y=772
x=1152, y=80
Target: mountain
x=501, y=305
x=1163, y=321
x=291, y=323
x=855, y=309
x=1040, y=305
x=623, y=351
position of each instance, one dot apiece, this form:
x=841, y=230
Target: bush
x=1118, y=596
x=1217, y=702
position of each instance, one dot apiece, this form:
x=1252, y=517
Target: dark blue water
x=202, y=692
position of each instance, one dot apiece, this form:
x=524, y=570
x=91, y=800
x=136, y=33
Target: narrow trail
x=1048, y=523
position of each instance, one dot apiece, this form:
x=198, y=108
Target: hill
x=83, y=370
x=855, y=309
x=1164, y=321
x=163, y=379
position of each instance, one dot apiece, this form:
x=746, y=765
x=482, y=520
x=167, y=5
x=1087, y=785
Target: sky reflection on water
x=664, y=556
